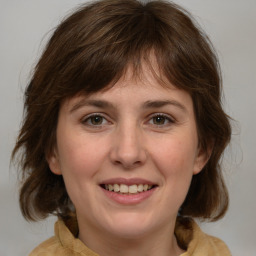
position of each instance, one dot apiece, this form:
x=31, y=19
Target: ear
x=53, y=162
x=202, y=157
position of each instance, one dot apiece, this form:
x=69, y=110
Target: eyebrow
x=162, y=103
x=146, y=105
x=95, y=103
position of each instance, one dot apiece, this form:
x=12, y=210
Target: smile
x=128, y=191
x=125, y=189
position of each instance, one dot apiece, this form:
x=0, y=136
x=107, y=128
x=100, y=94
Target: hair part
x=90, y=51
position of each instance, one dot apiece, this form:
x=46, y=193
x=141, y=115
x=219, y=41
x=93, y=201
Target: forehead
x=130, y=91
x=137, y=85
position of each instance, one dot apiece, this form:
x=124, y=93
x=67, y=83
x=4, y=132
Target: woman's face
x=137, y=137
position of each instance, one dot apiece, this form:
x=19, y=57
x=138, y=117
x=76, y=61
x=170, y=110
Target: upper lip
x=128, y=182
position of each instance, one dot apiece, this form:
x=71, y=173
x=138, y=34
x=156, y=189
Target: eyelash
x=165, y=117
x=88, y=120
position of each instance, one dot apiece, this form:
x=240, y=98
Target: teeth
x=116, y=188
x=124, y=189
x=140, y=188
x=145, y=187
x=133, y=189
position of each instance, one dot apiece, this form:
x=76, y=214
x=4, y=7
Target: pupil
x=159, y=120
x=96, y=120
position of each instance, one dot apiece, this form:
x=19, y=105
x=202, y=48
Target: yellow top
x=64, y=243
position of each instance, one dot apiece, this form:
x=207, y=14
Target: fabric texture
x=65, y=243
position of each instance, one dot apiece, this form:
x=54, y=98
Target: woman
x=123, y=133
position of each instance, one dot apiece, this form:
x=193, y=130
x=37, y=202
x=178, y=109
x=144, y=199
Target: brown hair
x=90, y=50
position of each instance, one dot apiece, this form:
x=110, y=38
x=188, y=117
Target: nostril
x=127, y=164
x=128, y=155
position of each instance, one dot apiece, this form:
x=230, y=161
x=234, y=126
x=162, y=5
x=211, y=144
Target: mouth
x=128, y=189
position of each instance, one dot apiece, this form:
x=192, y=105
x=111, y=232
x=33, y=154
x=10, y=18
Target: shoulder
x=64, y=243
x=218, y=247
x=204, y=244
x=52, y=246
x=199, y=243
x=49, y=247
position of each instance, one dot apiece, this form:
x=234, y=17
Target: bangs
x=91, y=68
x=88, y=53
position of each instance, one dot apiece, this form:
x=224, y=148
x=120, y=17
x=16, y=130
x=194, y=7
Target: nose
x=128, y=148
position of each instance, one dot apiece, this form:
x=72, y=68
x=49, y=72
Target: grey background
x=25, y=26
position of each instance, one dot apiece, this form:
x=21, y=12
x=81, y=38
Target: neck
x=159, y=242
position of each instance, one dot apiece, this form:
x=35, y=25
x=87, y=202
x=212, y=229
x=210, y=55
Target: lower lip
x=129, y=199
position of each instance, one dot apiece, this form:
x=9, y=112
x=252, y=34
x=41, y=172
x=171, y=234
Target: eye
x=94, y=120
x=161, y=120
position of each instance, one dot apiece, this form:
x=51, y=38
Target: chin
x=130, y=226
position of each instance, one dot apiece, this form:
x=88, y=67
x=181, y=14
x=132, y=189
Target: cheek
x=176, y=158
x=175, y=162
x=79, y=163
x=79, y=156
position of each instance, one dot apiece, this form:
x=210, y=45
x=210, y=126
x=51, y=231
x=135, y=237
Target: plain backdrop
x=25, y=26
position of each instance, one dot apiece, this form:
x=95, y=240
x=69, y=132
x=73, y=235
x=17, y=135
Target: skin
x=128, y=138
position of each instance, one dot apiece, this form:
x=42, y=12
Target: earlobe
x=202, y=158
x=53, y=163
